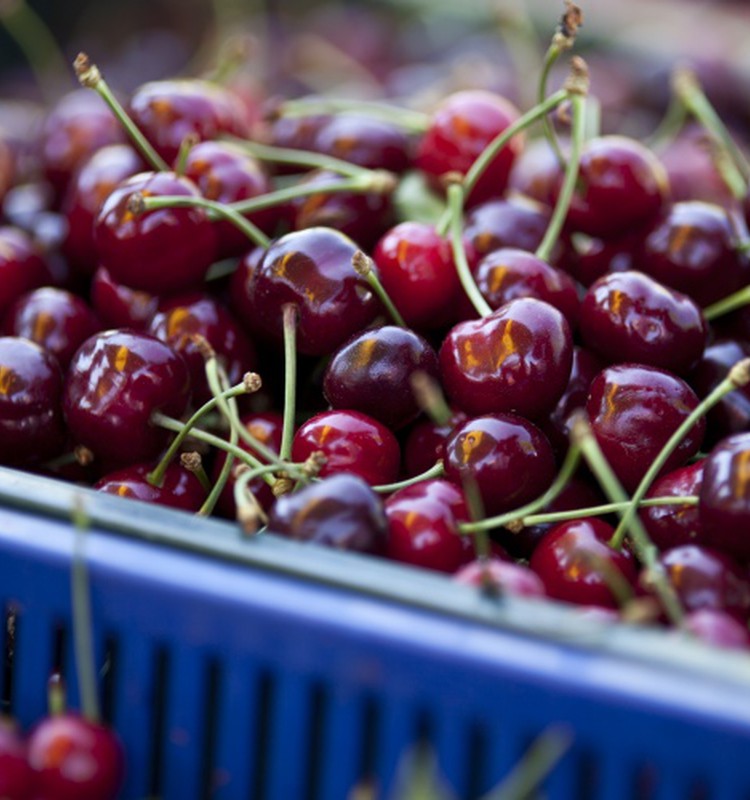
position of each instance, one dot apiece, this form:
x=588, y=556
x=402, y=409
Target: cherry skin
x=633, y=410
x=115, y=382
x=416, y=268
x=22, y=266
x=501, y=576
x=160, y=251
x=341, y=511
x=628, y=316
x=74, y=759
x=717, y=628
x=179, y=489
x=372, y=373
x=119, y=306
x=423, y=526
x=351, y=442
x=16, y=776
x=573, y=558
x=594, y=258
x=518, y=358
x=425, y=443
x=57, y=320
x=31, y=385
x=506, y=456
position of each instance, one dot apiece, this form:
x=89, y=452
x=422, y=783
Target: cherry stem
x=56, y=701
x=364, y=266
x=186, y=145
x=732, y=302
x=568, y=468
x=83, y=642
x=250, y=513
x=582, y=434
x=430, y=398
x=409, y=119
x=289, y=321
x=192, y=462
x=671, y=124
x=476, y=512
x=139, y=204
x=89, y=76
x=455, y=209
x=739, y=375
x=606, y=508
x=435, y=471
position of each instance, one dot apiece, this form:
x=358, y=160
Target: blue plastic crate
x=269, y=669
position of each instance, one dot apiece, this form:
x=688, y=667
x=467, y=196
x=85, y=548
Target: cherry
x=724, y=499
x=351, y=442
x=31, y=385
x=718, y=628
x=423, y=526
x=633, y=410
x=74, y=759
x=594, y=258
x=415, y=266
x=57, y=320
x=180, y=488
x=22, y=266
x=537, y=173
x=628, y=316
x=503, y=576
x=119, y=306
x=462, y=126
x=507, y=457
x=115, y=382
x=295, y=133
x=16, y=776
x=372, y=373
x=516, y=359
x=425, y=443
x=312, y=269
x=341, y=511
x=577, y=564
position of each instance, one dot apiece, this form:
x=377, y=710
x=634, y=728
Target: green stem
x=410, y=120
x=364, y=267
x=289, y=313
x=550, y=58
x=670, y=126
x=727, y=304
x=605, y=508
x=435, y=471
x=431, y=399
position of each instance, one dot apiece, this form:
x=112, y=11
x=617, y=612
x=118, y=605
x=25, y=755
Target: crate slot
x=35, y=656
x=210, y=725
x=266, y=711
x=158, y=706
x=109, y=674
x=317, y=742
x=7, y=662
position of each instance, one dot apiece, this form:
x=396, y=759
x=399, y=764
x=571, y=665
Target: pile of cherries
x=237, y=313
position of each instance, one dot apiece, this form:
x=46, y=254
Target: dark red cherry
x=312, y=270
x=594, y=258
x=341, y=511
x=57, y=320
x=160, y=251
x=240, y=292
x=574, y=561
x=74, y=759
x=423, y=526
x=507, y=578
x=119, y=306
x=167, y=111
x=537, y=172
x=506, y=456
x=628, y=316
x=415, y=265
x=115, y=382
x=717, y=628
x=180, y=488
x=425, y=443
x=91, y=185
x=16, y=776
x=372, y=373
x=725, y=496
x=675, y=525
x=462, y=126
x=178, y=322
x=693, y=248
x=633, y=410
x=31, y=383
x=516, y=359
x=351, y=442
x=295, y=133
x=508, y=274
x=22, y=266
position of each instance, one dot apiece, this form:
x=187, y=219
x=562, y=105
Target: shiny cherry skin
x=675, y=525
x=425, y=443
x=183, y=317
x=56, y=319
x=115, y=382
x=594, y=258
x=119, y=306
x=312, y=270
x=22, y=266
x=351, y=442
x=462, y=126
x=179, y=489
x=633, y=410
x=16, y=776
x=508, y=274
x=31, y=385
x=693, y=248
x=724, y=499
x=169, y=110
x=423, y=526
x=74, y=759
x=573, y=558
x=294, y=133
x=501, y=576
x=89, y=188
x=518, y=358
x=372, y=373
x=628, y=316
x=341, y=511
x=160, y=251
x=508, y=458
x=717, y=628
x=415, y=265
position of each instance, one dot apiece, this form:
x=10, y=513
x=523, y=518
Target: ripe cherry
x=180, y=488
x=717, y=628
x=22, y=266
x=425, y=443
x=501, y=576
x=119, y=306
x=16, y=776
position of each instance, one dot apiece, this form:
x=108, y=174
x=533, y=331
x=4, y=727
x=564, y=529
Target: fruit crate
x=270, y=669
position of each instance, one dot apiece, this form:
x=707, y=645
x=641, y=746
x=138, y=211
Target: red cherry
x=425, y=443
x=22, y=267
x=508, y=578
x=717, y=628
x=119, y=306
x=180, y=488
x=16, y=776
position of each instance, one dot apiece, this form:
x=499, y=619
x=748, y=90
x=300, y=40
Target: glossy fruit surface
x=119, y=306
x=717, y=628
x=501, y=576
x=180, y=488
x=22, y=266
x=425, y=443
x=16, y=777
